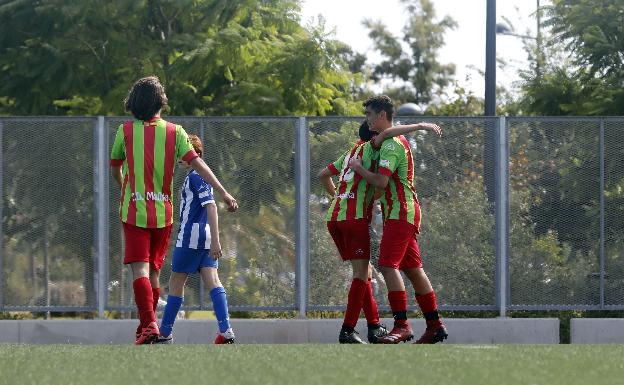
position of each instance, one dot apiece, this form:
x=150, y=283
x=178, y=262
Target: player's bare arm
x=402, y=129
x=373, y=178
x=206, y=173
x=325, y=176
x=213, y=221
x=117, y=175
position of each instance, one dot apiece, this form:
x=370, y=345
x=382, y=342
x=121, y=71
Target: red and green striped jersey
x=148, y=152
x=399, y=198
x=354, y=197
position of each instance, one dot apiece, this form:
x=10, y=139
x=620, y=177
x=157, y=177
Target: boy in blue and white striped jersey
x=197, y=250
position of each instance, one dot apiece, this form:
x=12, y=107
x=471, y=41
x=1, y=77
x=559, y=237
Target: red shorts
x=351, y=238
x=146, y=245
x=399, y=246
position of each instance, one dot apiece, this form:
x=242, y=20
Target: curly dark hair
x=381, y=103
x=146, y=98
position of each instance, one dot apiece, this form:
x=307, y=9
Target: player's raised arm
x=206, y=173
x=402, y=129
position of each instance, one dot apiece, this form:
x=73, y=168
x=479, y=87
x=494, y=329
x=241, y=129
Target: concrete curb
x=274, y=331
x=597, y=331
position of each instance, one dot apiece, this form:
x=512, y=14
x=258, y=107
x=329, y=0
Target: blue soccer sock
x=171, y=311
x=219, y=304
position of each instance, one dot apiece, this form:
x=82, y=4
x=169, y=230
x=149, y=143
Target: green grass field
x=312, y=364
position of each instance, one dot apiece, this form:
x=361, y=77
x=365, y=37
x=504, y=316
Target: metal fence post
x=302, y=203
x=602, y=214
x=2, y=280
x=502, y=214
x=101, y=213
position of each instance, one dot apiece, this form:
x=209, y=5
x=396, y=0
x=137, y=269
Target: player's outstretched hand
x=432, y=127
x=231, y=202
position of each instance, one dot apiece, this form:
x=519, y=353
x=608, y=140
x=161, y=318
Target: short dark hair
x=146, y=98
x=381, y=103
x=365, y=133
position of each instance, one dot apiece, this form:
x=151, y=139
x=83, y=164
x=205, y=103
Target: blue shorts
x=191, y=260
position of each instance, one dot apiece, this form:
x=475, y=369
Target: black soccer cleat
x=375, y=332
x=164, y=340
x=349, y=337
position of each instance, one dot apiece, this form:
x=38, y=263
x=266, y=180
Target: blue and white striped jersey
x=194, y=232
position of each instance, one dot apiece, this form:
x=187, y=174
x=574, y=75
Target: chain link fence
x=556, y=243
x=47, y=250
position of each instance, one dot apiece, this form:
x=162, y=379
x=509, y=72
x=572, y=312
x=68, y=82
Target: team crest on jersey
x=384, y=163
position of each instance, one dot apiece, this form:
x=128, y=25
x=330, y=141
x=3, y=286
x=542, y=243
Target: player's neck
x=384, y=127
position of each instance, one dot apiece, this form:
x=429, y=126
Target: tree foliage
x=215, y=57
x=412, y=58
x=584, y=70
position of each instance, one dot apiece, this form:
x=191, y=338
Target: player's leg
x=175, y=298
x=183, y=262
x=355, y=302
x=425, y=296
x=144, y=301
x=397, y=298
x=392, y=250
x=154, y=276
x=157, y=248
x=142, y=288
x=137, y=255
x=210, y=275
x=375, y=328
x=353, y=245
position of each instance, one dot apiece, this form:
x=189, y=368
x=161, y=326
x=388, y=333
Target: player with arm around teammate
x=348, y=220
x=198, y=249
x=143, y=159
x=399, y=249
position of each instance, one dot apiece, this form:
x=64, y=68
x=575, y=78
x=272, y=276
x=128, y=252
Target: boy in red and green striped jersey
x=143, y=158
x=348, y=218
x=401, y=211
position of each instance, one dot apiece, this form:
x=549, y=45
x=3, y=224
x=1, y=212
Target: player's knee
x=140, y=269
x=176, y=283
x=211, y=278
x=360, y=268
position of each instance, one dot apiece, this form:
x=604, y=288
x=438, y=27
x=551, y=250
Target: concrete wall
x=597, y=331
x=273, y=331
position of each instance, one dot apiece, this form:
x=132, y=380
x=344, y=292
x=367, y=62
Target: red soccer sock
x=155, y=297
x=144, y=300
x=429, y=307
x=355, y=302
x=370, y=305
x=398, y=304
